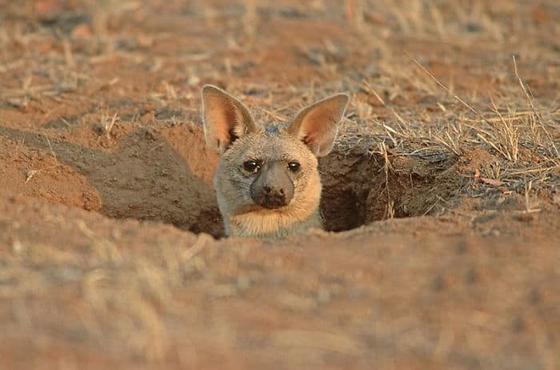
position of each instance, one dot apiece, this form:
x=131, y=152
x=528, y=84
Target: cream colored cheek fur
x=303, y=206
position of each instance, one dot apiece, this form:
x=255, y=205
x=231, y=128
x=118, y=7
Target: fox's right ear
x=225, y=118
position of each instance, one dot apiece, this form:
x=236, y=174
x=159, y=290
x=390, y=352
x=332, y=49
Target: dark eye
x=294, y=166
x=251, y=166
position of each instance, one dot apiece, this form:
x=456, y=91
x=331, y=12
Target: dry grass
x=107, y=124
x=433, y=81
x=523, y=136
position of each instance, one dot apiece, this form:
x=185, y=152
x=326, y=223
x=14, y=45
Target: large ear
x=225, y=118
x=317, y=124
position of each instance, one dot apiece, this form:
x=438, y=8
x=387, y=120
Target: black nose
x=271, y=197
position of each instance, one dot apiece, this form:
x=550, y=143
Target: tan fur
x=230, y=130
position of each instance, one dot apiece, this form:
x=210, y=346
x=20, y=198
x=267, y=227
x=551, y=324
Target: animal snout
x=272, y=197
x=273, y=187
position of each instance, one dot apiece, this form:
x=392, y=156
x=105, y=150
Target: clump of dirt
x=415, y=186
x=476, y=160
x=348, y=179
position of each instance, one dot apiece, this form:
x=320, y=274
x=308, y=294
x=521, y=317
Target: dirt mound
x=87, y=282
x=152, y=174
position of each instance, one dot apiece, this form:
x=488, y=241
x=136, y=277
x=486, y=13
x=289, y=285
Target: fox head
x=267, y=180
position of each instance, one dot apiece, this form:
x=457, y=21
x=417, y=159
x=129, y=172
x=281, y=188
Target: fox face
x=267, y=182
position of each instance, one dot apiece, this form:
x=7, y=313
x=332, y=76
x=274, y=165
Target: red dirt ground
x=112, y=251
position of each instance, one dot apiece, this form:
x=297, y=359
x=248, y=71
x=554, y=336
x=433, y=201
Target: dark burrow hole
x=358, y=187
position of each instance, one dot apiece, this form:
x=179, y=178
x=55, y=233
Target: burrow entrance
x=164, y=173
x=358, y=186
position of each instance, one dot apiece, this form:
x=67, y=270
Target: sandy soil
x=441, y=196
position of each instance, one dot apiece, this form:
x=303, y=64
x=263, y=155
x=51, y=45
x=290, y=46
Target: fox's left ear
x=317, y=124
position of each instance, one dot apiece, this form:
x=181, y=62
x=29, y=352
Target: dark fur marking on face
x=272, y=130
